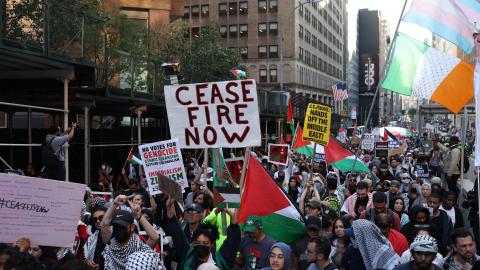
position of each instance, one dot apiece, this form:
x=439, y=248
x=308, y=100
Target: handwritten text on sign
x=217, y=114
x=163, y=158
x=46, y=211
x=316, y=127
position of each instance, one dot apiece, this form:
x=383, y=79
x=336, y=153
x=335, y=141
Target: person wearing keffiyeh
x=424, y=248
x=118, y=233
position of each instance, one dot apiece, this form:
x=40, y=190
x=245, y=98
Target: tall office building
x=373, y=43
x=284, y=45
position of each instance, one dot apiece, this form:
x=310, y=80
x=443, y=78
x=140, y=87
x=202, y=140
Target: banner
x=163, y=158
x=368, y=141
x=214, y=115
x=278, y=153
x=316, y=127
x=46, y=211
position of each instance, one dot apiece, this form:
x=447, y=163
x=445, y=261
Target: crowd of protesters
x=404, y=214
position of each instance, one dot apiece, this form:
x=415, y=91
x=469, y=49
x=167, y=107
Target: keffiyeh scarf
x=116, y=256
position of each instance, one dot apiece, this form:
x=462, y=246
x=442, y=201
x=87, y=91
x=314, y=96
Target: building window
x=195, y=32
x=314, y=42
x=195, y=11
x=243, y=8
x=186, y=12
x=263, y=75
x=307, y=57
x=307, y=15
x=223, y=31
x=307, y=36
x=244, y=52
x=262, y=51
x=233, y=31
x=300, y=11
x=232, y=8
x=273, y=28
x=300, y=54
x=222, y=9
x=262, y=29
x=205, y=11
x=273, y=75
x=273, y=5
x=243, y=30
x=320, y=45
x=273, y=51
x=300, y=32
x=262, y=6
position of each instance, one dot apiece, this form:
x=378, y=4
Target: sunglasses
x=97, y=219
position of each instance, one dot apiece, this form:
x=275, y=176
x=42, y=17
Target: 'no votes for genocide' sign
x=316, y=127
x=211, y=115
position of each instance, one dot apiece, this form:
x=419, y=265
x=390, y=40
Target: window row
x=196, y=11
x=241, y=30
x=263, y=75
x=271, y=53
x=313, y=60
x=317, y=24
x=233, y=8
x=270, y=6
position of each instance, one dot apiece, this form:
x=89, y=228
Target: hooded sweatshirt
x=287, y=254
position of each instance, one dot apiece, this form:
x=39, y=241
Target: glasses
x=192, y=212
x=97, y=219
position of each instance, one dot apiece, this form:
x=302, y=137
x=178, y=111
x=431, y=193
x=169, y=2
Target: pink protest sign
x=46, y=211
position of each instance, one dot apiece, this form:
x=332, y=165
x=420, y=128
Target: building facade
x=287, y=47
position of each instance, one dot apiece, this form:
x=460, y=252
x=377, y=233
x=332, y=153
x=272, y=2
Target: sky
x=390, y=10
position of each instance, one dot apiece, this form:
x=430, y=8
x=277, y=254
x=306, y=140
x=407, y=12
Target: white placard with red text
x=163, y=158
x=213, y=115
x=45, y=211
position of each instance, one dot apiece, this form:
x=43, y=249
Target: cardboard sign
x=278, y=153
x=164, y=158
x=316, y=127
x=368, y=141
x=170, y=187
x=214, y=115
x=46, y=211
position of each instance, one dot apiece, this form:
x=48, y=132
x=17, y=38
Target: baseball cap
x=252, y=224
x=195, y=207
x=123, y=218
x=395, y=183
x=313, y=222
x=314, y=204
x=329, y=214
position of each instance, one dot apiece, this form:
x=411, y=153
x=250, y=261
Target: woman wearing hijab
x=280, y=257
x=376, y=250
x=399, y=208
x=420, y=218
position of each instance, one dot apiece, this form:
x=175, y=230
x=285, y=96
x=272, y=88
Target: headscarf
x=376, y=250
x=424, y=243
x=287, y=254
x=116, y=255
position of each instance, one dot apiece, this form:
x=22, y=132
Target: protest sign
x=381, y=149
x=214, y=115
x=368, y=141
x=278, y=153
x=393, y=144
x=316, y=127
x=46, y=211
x=319, y=153
x=163, y=158
x=170, y=187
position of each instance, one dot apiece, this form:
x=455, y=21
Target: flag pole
x=244, y=169
x=126, y=160
x=385, y=68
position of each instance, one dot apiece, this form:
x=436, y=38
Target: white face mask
x=104, y=167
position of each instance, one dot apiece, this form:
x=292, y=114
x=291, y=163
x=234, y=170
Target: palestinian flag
x=342, y=159
x=134, y=159
x=226, y=197
x=300, y=145
x=239, y=74
x=264, y=198
x=387, y=134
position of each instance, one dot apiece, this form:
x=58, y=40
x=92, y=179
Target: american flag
x=339, y=91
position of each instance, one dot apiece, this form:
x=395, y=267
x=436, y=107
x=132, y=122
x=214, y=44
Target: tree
x=412, y=112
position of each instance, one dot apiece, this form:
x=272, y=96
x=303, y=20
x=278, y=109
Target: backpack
x=334, y=202
x=48, y=153
x=466, y=161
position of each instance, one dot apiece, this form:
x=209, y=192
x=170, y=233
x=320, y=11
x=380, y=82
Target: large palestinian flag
x=342, y=159
x=300, y=145
x=262, y=197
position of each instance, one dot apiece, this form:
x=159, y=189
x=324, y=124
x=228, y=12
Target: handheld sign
x=278, y=153
x=368, y=141
x=164, y=158
x=214, y=115
x=316, y=127
x=46, y=211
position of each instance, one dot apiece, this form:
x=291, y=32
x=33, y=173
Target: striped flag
x=134, y=159
x=339, y=91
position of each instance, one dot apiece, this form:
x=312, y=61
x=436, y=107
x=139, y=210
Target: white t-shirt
x=450, y=213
